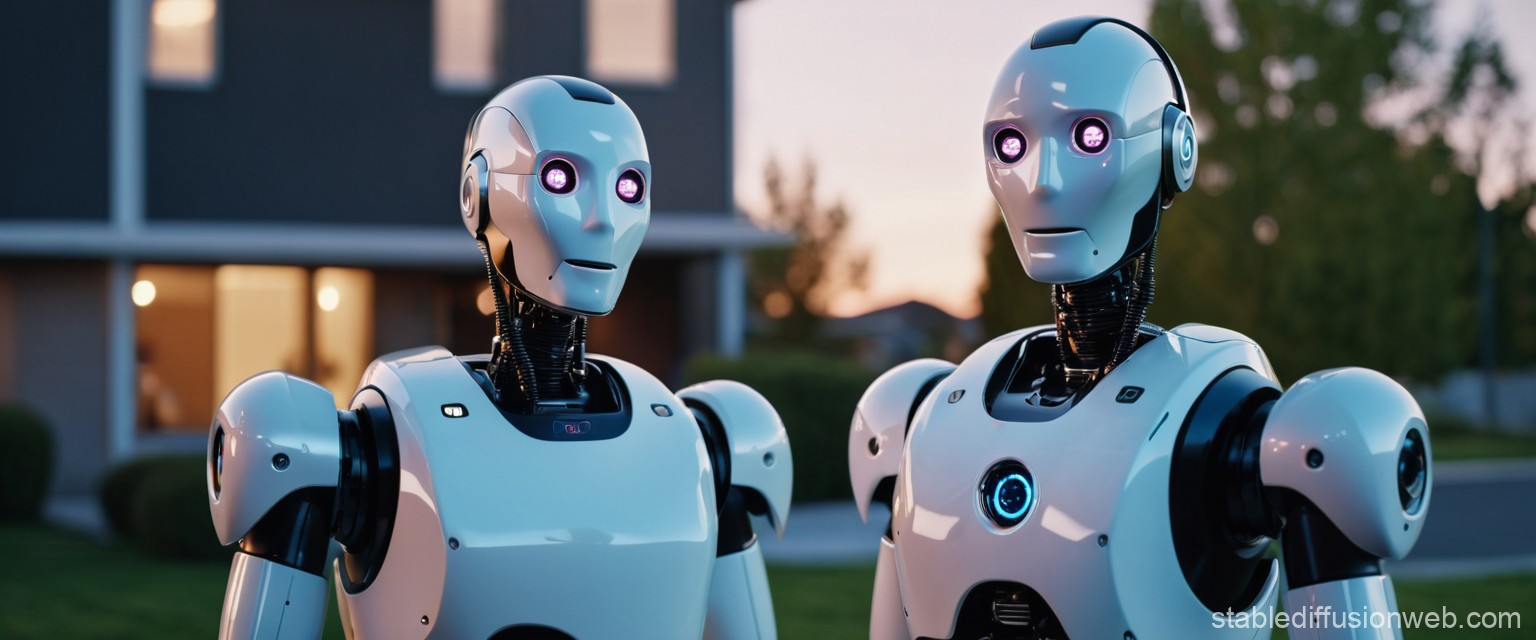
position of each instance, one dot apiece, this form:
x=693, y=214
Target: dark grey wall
x=60, y=315
x=326, y=112
x=323, y=111
x=687, y=124
x=54, y=109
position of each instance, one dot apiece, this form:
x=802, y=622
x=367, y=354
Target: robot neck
x=1097, y=321
x=539, y=357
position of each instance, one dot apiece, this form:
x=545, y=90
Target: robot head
x=1087, y=138
x=557, y=184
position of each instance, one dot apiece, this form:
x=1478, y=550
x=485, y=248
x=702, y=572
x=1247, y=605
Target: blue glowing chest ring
x=1007, y=493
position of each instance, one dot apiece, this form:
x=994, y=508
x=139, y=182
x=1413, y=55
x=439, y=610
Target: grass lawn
x=57, y=584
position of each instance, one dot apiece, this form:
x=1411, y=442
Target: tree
x=794, y=285
x=1316, y=227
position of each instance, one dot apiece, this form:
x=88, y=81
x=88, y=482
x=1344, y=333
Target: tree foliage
x=794, y=285
x=1328, y=232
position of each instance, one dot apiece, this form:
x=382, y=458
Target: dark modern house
x=194, y=191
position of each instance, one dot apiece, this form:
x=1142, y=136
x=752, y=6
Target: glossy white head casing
x=274, y=434
x=568, y=247
x=760, y=456
x=1357, y=419
x=879, y=426
x=1070, y=210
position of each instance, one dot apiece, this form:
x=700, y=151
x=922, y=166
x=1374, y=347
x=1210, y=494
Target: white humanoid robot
x=536, y=493
x=1103, y=478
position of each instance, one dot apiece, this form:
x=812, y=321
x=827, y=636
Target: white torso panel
x=1101, y=468
x=611, y=538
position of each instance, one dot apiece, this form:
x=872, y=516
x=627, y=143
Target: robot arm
x=274, y=455
x=875, y=442
x=1346, y=452
x=754, y=474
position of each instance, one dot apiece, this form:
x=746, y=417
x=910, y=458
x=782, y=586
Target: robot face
x=1073, y=145
x=567, y=188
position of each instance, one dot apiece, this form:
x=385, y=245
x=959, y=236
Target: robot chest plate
x=1074, y=508
x=596, y=538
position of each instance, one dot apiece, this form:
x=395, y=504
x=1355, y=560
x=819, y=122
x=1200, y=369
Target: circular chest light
x=1007, y=493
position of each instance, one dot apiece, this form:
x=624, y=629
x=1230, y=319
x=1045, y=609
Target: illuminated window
x=631, y=41
x=204, y=329
x=183, y=42
x=464, y=44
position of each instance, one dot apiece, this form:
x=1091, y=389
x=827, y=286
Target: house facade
x=198, y=190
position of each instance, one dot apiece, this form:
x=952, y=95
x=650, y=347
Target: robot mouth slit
x=1052, y=231
x=590, y=264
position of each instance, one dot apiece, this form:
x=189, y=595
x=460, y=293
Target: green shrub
x=815, y=395
x=121, y=486
x=169, y=512
x=27, y=444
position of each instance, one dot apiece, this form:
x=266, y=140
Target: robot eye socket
x=630, y=187
x=1091, y=135
x=558, y=176
x=1008, y=145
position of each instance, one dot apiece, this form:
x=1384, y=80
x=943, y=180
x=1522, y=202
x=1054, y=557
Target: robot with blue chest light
x=1101, y=477
x=538, y=493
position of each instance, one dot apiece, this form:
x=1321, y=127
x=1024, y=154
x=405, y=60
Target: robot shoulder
x=644, y=389
x=273, y=435
x=1208, y=333
x=880, y=425
x=1354, y=443
x=749, y=446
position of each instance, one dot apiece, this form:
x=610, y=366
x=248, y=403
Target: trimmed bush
x=121, y=486
x=815, y=395
x=24, y=475
x=169, y=513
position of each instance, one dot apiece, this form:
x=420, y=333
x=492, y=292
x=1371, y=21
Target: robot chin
x=587, y=289
x=1062, y=257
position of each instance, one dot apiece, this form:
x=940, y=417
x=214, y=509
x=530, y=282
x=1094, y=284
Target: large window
x=183, y=42
x=464, y=36
x=203, y=329
x=631, y=41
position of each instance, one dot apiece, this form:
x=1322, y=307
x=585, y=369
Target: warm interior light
x=328, y=298
x=778, y=304
x=143, y=293
x=182, y=13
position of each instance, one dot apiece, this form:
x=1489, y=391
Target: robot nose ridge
x=598, y=219
x=1047, y=173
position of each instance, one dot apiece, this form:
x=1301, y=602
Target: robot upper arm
x=880, y=425
x=274, y=448
x=1353, y=443
x=755, y=455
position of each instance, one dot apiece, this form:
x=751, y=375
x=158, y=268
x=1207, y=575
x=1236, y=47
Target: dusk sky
x=887, y=97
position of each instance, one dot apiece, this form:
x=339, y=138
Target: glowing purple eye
x=1008, y=145
x=1091, y=135
x=631, y=186
x=558, y=176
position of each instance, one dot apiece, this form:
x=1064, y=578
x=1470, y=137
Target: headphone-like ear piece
x=474, y=196
x=1181, y=152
